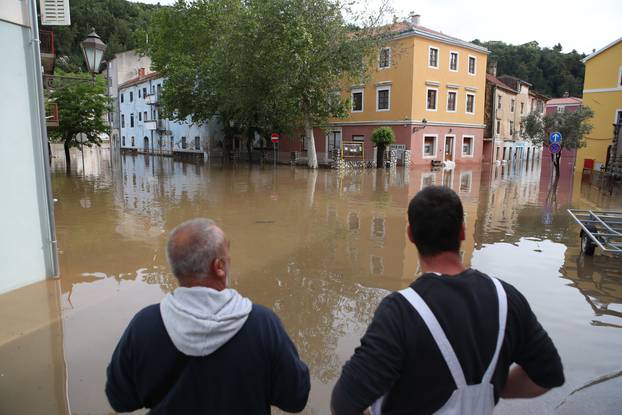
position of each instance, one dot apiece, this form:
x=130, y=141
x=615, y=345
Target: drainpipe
x=43, y=157
x=494, y=123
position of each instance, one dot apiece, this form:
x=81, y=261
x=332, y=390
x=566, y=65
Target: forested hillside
x=550, y=71
x=120, y=24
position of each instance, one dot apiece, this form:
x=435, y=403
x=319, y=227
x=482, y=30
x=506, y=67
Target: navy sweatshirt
x=257, y=368
x=399, y=358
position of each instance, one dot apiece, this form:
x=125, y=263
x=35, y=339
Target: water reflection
x=321, y=248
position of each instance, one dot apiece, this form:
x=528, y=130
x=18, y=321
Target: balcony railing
x=47, y=42
x=152, y=99
x=51, y=115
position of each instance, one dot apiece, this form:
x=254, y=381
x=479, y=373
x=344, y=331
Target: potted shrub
x=382, y=137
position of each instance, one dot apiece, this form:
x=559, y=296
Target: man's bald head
x=193, y=246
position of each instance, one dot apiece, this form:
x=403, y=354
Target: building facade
x=427, y=86
x=142, y=129
x=508, y=101
x=602, y=92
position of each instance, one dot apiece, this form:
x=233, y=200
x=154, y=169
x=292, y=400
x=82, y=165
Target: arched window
x=146, y=143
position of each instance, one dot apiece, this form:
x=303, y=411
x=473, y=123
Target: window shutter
x=55, y=13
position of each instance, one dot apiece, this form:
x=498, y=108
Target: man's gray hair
x=192, y=247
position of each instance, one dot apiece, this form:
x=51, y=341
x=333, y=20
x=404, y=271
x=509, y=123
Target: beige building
x=508, y=101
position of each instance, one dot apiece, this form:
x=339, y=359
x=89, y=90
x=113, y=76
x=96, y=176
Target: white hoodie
x=200, y=320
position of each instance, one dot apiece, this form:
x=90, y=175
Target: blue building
x=144, y=131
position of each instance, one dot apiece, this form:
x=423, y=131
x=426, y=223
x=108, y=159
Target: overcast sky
x=576, y=24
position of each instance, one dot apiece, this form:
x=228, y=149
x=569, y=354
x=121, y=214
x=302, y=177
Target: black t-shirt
x=398, y=356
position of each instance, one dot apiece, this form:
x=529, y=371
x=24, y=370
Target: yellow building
x=428, y=87
x=602, y=92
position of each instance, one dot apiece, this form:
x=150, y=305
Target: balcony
x=48, y=53
x=151, y=124
x=51, y=115
x=152, y=99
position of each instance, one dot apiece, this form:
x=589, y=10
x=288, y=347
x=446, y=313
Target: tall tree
x=573, y=126
x=81, y=109
x=265, y=65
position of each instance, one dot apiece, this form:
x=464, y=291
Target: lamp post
x=93, y=50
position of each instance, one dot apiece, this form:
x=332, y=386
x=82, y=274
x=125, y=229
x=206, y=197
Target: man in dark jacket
x=205, y=349
x=449, y=339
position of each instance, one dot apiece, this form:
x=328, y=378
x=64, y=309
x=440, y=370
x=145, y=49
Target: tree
x=382, y=137
x=81, y=108
x=264, y=65
x=573, y=127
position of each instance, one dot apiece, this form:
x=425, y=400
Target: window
x=511, y=128
x=467, y=145
x=618, y=119
x=433, y=60
x=121, y=98
x=197, y=143
x=512, y=105
x=431, y=99
x=470, y=103
x=498, y=101
x=132, y=120
x=560, y=108
x=358, y=138
x=383, y=99
x=132, y=141
x=140, y=116
x=144, y=115
x=451, y=101
x=385, y=58
x=357, y=101
x=453, y=61
x=498, y=127
x=144, y=92
x=429, y=146
x=122, y=120
x=522, y=108
x=183, y=142
x=131, y=96
x=172, y=142
x=471, y=65
x=123, y=140
x=138, y=92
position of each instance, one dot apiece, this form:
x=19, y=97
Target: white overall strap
x=438, y=334
x=503, y=313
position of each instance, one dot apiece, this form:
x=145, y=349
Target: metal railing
x=51, y=114
x=47, y=42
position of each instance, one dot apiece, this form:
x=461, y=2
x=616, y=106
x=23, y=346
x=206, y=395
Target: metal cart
x=599, y=229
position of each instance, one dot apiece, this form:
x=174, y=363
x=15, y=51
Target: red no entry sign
x=274, y=137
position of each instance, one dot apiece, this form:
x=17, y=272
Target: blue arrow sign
x=555, y=148
x=555, y=137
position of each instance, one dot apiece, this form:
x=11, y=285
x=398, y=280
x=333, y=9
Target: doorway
x=449, y=147
x=146, y=144
x=333, y=142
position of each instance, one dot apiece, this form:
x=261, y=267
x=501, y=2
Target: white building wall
x=25, y=226
x=170, y=136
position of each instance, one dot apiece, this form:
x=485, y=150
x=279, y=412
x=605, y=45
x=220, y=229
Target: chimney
x=492, y=68
x=141, y=73
x=566, y=94
x=415, y=19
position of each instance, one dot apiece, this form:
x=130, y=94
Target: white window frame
x=511, y=128
x=457, y=61
x=355, y=91
x=474, y=66
x=472, y=137
x=380, y=58
x=455, y=103
x=438, y=57
x=435, y=101
x=499, y=101
x=466, y=103
x=560, y=108
x=423, y=155
x=383, y=88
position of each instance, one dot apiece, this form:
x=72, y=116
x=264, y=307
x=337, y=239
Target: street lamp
x=93, y=49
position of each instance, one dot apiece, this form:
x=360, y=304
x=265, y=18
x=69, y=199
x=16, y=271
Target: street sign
x=555, y=148
x=274, y=137
x=555, y=137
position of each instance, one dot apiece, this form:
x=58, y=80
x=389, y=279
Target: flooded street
x=321, y=248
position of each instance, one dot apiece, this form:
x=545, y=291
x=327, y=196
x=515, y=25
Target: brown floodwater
x=321, y=248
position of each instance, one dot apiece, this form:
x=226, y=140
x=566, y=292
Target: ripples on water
x=321, y=248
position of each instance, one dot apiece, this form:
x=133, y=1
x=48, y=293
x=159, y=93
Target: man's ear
x=409, y=232
x=218, y=268
x=462, y=232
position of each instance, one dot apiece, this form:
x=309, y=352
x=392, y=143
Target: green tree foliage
x=121, y=25
x=550, y=71
x=573, y=126
x=382, y=137
x=265, y=65
x=81, y=106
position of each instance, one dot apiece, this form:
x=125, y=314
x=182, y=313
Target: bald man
x=205, y=349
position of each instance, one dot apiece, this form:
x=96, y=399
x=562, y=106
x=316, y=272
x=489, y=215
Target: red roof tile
x=564, y=101
x=139, y=80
